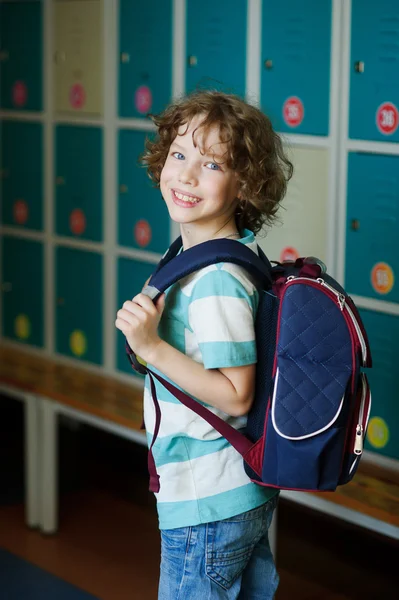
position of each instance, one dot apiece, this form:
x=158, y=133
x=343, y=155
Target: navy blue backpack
x=308, y=421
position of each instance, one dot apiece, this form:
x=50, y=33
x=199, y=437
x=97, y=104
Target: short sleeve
x=222, y=315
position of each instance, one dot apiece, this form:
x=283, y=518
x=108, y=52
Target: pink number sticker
x=143, y=99
x=387, y=118
x=20, y=212
x=19, y=94
x=77, y=221
x=293, y=111
x=77, y=96
x=142, y=233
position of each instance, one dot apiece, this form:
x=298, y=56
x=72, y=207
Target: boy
x=222, y=173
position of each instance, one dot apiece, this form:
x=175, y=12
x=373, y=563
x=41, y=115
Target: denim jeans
x=229, y=559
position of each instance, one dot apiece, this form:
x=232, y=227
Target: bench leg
x=32, y=504
x=49, y=462
x=273, y=534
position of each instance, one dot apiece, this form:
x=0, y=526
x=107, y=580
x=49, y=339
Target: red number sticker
x=293, y=111
x=77, y=96
x=387, y=118
x=143, y=99
x=19, y=94
x=142, y=233
x=382, y=278
x=77, y=221
x=289, y=254
x=20, y=212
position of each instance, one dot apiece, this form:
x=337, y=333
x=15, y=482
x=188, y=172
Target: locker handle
x=60, y=181
x=268, y=64
x=59, y=56
x=60, y=301
x=125, y=57
x=359, y=66
x=123, y=188
x=6, y=286
x=192, y=61
x=355, y=225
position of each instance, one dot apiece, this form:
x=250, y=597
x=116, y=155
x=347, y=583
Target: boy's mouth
x=186, y=200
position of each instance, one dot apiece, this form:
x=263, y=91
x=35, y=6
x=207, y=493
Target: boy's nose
x=187, y=175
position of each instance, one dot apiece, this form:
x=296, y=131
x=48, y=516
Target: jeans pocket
x=229, y=545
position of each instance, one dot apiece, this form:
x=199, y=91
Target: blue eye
x=213, y=166
x=179, y=156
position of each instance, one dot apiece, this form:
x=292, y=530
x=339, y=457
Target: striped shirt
x=209, y=315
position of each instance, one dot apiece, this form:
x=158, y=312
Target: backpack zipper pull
x=340, y=297
x=359, y=440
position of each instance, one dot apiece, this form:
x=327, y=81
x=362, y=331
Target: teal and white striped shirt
x=209, y=316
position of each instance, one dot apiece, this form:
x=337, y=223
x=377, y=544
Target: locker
x=216, y=45
x=372, y=262
x=143, y=219
x=295, y=66
x=145, y=68
x=78, y=56
x=23, y=290
x=21, y=33
x=302, y=227
x=374, y=71
x=132, y=274
x=21, y=174
x=383, y=332
x=79, y=182
x=79, y=304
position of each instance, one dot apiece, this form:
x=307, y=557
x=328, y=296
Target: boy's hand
x=138, y=319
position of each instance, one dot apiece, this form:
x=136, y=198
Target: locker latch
x=268, y=63
x=359, y=66
x=192, y=61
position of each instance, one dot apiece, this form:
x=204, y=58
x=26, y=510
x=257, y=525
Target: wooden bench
x=50, y=389
x=371, y=500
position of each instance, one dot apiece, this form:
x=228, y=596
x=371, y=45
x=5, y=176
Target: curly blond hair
x=255, y=151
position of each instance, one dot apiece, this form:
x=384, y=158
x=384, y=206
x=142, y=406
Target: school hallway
x=108, y=542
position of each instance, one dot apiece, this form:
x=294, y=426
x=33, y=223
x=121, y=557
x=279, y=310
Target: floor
x=108, y=542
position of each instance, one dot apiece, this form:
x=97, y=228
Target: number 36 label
x=387, y=118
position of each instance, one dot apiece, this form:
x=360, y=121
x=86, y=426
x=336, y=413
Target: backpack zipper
x=342, y=304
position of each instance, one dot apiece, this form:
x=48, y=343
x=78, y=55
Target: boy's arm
x=230, y=389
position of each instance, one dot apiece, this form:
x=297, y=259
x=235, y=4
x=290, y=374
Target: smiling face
x=199, y=189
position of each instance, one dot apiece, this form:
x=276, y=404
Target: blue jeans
x=229, y=559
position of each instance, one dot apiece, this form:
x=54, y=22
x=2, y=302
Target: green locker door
x=142, y=214
x=145, y=71
x=22, y=290
x=132, y=274
x=79, y=304
x=79, y=182
x=21, y=55
x=21, y=174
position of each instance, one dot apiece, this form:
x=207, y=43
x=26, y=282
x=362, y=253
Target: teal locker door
x=23, y=290
x=372, y=259
x=21, y=174
x=142, y=214
x=132, y=275
x=374, y=71
x=216, y=45
x=79, y=304
x=79, y=182
x=295, y=66
x=383, y=332
x=145, y=68
x=21, y=55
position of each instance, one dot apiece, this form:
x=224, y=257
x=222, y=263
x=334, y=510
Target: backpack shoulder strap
x=174, y=267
